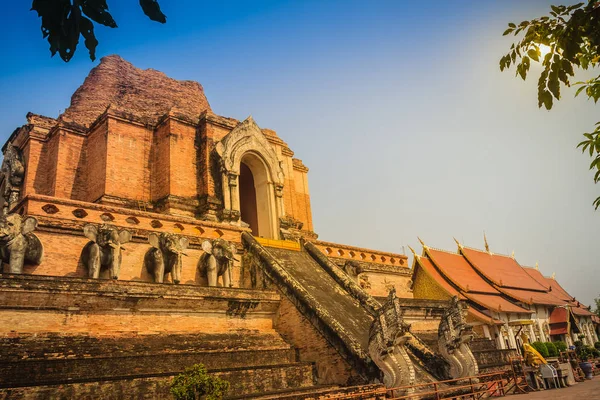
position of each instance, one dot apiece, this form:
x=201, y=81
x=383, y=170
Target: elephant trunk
x=178, y=265
x=115, y=260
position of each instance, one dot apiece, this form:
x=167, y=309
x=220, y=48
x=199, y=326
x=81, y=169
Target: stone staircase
x=79, y=338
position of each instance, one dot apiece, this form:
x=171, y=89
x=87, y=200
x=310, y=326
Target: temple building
x=508, y=303
x=141, y=233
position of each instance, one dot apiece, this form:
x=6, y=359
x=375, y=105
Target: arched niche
x=246, y=146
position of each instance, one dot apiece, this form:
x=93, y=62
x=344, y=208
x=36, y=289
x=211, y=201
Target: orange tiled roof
x=428, y=267
x=537, y=275
x=496, y=302
x=459, y=271
x=581, y=311
x=558, y=290
x=483, y=317
x=533, y=297
x=502, y=270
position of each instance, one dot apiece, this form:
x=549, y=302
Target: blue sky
x=397, y=107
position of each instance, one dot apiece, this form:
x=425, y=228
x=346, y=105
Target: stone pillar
x=541, y=328
x=486, y=331
x=234, y=191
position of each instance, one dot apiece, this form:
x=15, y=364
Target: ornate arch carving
x=247, y=140
x=247, y=137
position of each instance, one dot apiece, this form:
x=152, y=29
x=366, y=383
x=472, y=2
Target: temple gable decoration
x=245, y=152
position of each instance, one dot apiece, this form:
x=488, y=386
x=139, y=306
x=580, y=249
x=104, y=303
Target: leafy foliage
x=195, y=382
x=541, y=348
x=585, y=352
x=597, y=301
x=597, y=346
x=560, y=346
x=64, y=21
x=552, y=350
x=572, y=35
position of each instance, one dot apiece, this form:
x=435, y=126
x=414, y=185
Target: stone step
x=321, y=392
x=258, y=379
x=55, y=346
x=53, y=359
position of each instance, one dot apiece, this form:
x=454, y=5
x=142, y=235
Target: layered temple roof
x=456, y=269
x=493, y=282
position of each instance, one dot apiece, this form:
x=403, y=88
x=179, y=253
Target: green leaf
x=579, y=89
x=506, y=32
x=545, y=98
x=97, y=10
x=511, y=25
x=87, y=31
x=152, y=9
x=554, y=85
x=533, y=54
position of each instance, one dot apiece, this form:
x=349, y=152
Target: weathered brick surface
x=128, y=160
x=147, y=93
x=242, y=381
x=95, y=167
x=312, y=346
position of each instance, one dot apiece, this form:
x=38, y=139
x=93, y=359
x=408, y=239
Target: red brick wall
x=69, y=163
x=36, y=180
x=96, y=162
x=183, y=170
x=51, y=155
x=160, y=162
x=128, y=158
x=298, y=331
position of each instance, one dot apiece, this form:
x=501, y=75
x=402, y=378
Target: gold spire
x=512, y=255
x=537, y=267
x=422, y=243
x=460, y=246
x=414, y=252
x=554, y=275
x=487, y=247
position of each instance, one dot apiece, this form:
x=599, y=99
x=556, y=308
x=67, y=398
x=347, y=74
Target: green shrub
x=585, y=352
x=195, y=382
x=552, y=350
x=597, y=345
x=541, y=348
x=560, y=346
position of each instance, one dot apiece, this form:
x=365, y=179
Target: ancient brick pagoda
x=142, y=233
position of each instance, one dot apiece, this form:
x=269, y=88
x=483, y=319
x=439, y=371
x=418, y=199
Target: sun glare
x=544, y=49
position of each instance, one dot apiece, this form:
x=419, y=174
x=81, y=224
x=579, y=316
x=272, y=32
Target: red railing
x=494, y=384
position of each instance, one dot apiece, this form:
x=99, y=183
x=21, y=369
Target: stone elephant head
x=217, y=262
x=104, y=249
x=165, y=257
x=18, y=245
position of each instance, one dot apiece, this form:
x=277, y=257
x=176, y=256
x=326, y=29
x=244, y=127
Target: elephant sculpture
x=217, y=262
x=18, y=245
x=104, y=249
x=165, y=257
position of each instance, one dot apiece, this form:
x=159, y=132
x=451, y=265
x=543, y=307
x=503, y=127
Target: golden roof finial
x=537, y=267
x=414, y=252
x=460, y=246
x=487, y=247
x=554, y=275
x=512, y=255
x=422, y=243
